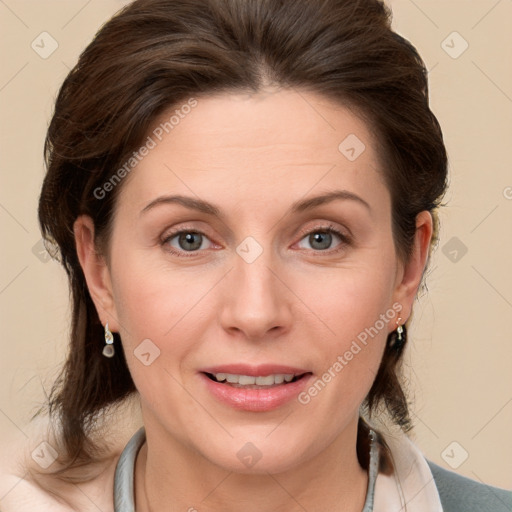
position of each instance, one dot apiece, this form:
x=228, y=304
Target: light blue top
x=124, y=475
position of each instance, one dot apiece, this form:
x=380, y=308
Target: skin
x=296, y=304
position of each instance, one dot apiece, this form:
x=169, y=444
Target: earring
x=397, y=338
x=108, y=349
x=399, y=330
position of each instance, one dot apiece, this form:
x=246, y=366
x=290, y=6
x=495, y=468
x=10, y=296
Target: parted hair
x=155, y=54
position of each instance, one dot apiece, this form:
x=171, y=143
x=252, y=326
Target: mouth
x=255, y=381
x=255, y=388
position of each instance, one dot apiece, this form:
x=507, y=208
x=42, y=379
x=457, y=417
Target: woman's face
x=221, y=262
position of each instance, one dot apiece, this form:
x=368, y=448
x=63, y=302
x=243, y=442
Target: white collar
x=411, y=487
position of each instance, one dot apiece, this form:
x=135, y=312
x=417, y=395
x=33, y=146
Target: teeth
x=248, y=380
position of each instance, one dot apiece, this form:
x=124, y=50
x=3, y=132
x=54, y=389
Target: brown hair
x=158, y=53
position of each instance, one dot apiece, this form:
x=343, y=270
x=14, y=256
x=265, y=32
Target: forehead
x=260, y=145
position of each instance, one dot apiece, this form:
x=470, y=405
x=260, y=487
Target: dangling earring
x=397, y=338
x=108, y=349
x=399, y=330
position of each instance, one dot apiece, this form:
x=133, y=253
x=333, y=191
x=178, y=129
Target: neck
x=169, y=473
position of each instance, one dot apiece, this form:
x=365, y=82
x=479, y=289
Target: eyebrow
x=297, y=207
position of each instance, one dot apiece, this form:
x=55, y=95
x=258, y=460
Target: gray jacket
x=461, y=494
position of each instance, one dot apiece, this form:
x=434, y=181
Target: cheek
x=354, y=315
x=162, y=312
x=153, y=308
x=151, y=298
x=347, y=301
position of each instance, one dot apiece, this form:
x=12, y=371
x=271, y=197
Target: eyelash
x=346, y=240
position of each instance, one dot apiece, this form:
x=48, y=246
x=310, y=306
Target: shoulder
x=26, y=487
x=459, y=493
x=18, y=494
x=21, y=491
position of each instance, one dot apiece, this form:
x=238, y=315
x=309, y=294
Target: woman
x=244, y=196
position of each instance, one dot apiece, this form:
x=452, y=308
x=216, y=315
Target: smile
x=254, y=388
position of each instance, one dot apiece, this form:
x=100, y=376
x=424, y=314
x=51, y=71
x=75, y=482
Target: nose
x=256, y=303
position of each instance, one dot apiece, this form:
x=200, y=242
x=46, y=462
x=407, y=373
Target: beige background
x=459, y=361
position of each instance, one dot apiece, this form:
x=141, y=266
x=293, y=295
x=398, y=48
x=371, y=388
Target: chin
x=258, y=455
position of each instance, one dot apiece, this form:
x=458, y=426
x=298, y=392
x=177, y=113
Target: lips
x=255, y=388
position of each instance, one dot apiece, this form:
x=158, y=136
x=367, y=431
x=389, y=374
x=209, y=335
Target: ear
x=96, y=271
x=409, y=275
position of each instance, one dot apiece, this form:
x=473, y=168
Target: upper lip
x=254, y=370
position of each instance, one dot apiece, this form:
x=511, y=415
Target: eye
x=184, y=241
x=321, y=238
x=191, y=241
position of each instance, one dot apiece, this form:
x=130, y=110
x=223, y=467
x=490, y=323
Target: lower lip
x=256, y=400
